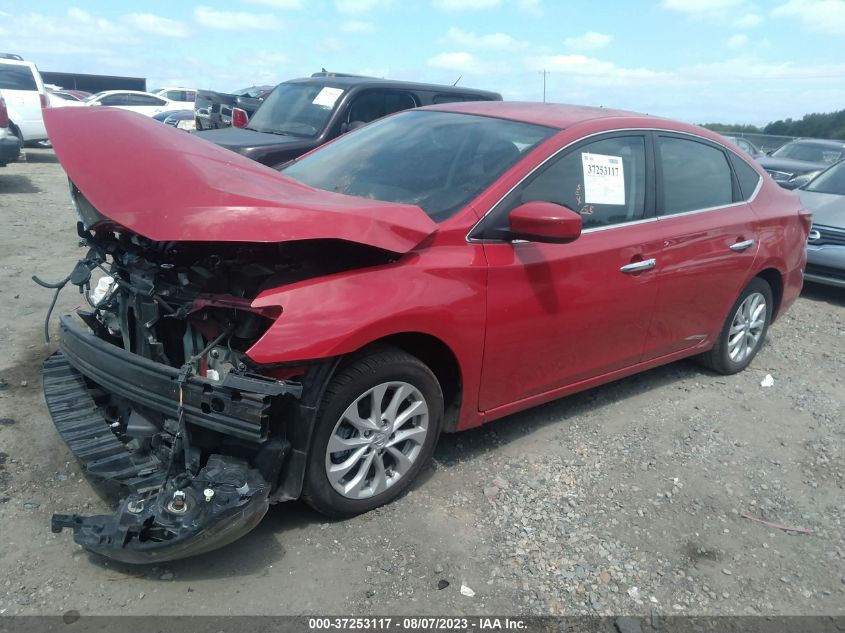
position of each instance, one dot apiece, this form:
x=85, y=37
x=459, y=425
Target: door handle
x=741, y=246
x=637, y=267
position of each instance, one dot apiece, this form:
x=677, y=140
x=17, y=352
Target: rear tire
x=744, y=330
x=376, y=428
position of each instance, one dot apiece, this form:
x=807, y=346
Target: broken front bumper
x=216, y=504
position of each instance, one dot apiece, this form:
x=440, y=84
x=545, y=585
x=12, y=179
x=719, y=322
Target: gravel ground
x=627, y=499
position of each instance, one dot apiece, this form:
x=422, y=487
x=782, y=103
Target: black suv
x=302, y=114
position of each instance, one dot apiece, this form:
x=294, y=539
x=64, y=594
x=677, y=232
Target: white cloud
x=157, y=25
x=748, y=21
x=592, y=69
x=360, y=6
x=530, y=6
x=737, y=41
x=589, y=41
x=466, y=39
x=458, y=61
x=236, y=20
x=703, y=8
x=357, y=26
x=278, y=4
x=465, y=5
x=816, y=15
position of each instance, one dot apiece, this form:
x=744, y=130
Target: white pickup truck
x=23, y=90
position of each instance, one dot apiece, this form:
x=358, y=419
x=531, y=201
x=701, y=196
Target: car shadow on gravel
x=251, y=555
x=824, y=293
x=456, y=448
x=16, y=183
x=40, y=155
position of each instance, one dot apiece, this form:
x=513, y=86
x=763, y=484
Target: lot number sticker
x=604, y=179
x=327, y=96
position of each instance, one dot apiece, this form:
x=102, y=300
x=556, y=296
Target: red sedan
x=264, y=336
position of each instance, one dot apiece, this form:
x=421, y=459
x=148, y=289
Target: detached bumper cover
x=218, y=504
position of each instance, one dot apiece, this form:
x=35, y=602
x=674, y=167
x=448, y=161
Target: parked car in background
x=10, y=144
x=182, y=119
x=310, y=333
x=70, y=95
x=302, y=114
x=133, y=100
x=213, y=110
x=745, y=145
x=60, y=100
x=824, y=196
x=23, y=91
x=182, y=98
x=802, y=157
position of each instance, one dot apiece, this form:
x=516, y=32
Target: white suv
x=22, y=89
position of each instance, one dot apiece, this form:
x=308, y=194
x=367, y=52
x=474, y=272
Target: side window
x=145, y=100
x=16, y=77
x=174, y=95
x=745, y=174
x=604, y=181
x=115, y=100
x=374, y=104
x=695, y=175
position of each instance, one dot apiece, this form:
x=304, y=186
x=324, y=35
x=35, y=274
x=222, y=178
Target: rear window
x=16, y=77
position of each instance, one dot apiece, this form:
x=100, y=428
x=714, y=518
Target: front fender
x=338, y=314
x=440, y=294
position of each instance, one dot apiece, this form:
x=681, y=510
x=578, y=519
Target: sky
x=731, y=61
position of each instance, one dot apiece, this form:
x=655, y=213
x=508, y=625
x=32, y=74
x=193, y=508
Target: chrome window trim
x=492, y=208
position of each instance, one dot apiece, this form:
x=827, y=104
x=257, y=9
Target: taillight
x=44, y=103
x=806, y=220
x=239, y=117
x=4, y=114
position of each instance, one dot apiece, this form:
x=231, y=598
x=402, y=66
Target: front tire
x=376, y=428
x=743, y=332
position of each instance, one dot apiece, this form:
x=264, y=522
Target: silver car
x=825, y=197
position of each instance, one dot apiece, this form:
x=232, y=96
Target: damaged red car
x=255, y=336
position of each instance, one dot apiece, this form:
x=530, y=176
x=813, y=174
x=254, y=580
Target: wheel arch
x=774, y=278
x=439, y=358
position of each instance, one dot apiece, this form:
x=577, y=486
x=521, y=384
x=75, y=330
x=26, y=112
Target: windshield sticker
x=604, y=179
x=327, y=97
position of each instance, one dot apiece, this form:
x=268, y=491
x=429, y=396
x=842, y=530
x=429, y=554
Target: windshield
x=436, y=160
x=94, y=96
x=810, y=152
x=295, y=110
x=830, y=181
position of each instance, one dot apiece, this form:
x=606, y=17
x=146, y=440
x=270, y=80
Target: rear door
x=709, y=242
x=21, y=87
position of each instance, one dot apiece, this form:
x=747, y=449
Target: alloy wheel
x=747, y=327
x=377, y=440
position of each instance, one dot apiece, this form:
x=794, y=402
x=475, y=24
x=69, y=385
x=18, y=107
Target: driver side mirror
x=544, y=222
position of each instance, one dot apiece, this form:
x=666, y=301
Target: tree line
x=818, y=125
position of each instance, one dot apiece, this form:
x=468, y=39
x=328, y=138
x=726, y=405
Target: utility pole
x=544, y=73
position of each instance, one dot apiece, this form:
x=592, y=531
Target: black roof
x=340, y=80
x=821, y=141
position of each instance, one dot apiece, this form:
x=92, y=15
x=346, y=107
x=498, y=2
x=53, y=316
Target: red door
x=708, y=244
x=558, y=314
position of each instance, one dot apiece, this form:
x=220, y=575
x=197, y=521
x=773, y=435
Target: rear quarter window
x=745, y=174
x=15, y=77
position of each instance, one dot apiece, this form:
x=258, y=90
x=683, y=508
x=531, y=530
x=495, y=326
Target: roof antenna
x=457, y=80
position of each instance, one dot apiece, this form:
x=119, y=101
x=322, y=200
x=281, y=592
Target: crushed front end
x=152, y=390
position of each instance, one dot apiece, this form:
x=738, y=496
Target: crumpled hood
x=828, y=209
x=166, y=185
